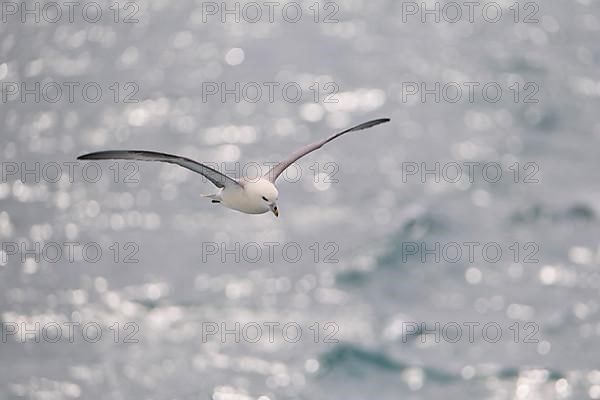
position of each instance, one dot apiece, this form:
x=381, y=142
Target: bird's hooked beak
x=274, y=209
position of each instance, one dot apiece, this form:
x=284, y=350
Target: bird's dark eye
x=265, y=199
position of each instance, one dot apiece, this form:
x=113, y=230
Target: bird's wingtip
x=379, y=121
x=98, y=155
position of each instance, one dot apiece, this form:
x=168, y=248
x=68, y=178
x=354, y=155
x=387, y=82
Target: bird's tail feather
x=215, y=197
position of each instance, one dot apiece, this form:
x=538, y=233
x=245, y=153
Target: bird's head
x=266, y=193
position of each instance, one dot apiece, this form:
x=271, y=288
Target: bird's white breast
x=247, y=198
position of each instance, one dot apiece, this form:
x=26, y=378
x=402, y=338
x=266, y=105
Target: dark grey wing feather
x=218, y=179
x=274, y=172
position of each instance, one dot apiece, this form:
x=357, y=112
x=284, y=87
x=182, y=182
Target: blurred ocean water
x=362, y=298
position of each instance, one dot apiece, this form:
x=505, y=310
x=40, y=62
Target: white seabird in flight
x=246, y=195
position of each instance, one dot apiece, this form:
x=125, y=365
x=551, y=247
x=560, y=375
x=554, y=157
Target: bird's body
x=250, y=196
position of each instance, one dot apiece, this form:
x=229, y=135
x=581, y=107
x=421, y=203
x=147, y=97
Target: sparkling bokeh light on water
x=402, y=265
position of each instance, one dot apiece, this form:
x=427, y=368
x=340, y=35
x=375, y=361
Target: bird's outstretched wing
x=274, y=172
x=218, y=179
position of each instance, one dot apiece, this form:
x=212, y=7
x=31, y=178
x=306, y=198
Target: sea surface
x=386, y=276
